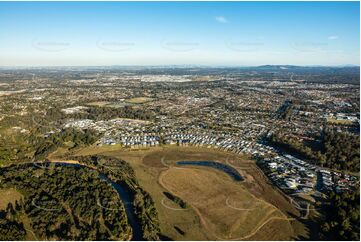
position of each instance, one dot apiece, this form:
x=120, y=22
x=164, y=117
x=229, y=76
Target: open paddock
x=9, y=195
x=139, y=100
x=219, y=208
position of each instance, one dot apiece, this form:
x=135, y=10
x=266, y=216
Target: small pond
x=220, y=166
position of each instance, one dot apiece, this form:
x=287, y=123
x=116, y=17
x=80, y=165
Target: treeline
x=120, y=172
x=44, y=146
x=36, y=145
x=336, y=150
x=341, y=151
x=66, y=203
x=342, y=217
x=22, y=146
x=294, y=146
x=285, y=111
x=10, y=226
x=176, y=199
x=106, y=113
x=98, y=113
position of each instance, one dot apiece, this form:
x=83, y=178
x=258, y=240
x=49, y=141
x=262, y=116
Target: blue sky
x=179, y=33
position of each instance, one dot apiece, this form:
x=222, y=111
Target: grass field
x=227, y=210
x=219, y=208
x=108, y=104
x=186, y=220
x=99, y=104
x=139, y=100
x=8, y=196
x=341, y=122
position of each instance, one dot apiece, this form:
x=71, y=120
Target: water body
x=126, y=197
x=219, y=166
x=127, y=200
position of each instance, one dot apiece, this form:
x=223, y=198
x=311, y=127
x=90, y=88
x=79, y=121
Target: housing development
x=173, y=141
x=180, y=121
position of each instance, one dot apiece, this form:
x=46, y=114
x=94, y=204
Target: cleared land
x=219, y=207
x=226, y=209
x=99, y=104
x=108, y=104
x=9, y=196
x=337, y=121
x=139, y=100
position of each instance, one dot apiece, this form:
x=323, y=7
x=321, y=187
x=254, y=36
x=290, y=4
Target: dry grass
x=8, y=196
x=99, y=104
x=139, y=100
x=186, y=220
x=219, y=202
x=210, y=218
x=341, y=122
x=11, y=195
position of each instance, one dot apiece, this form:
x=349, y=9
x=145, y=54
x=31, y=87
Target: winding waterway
x=128, y=205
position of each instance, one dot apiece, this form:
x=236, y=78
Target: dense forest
x=44, y=146
x=341, y=151
x=336, y=150
x=38, y=146
x=62, y=203
x=119, y=171
x=10, y=226
x=342, y=217
x=106, y=113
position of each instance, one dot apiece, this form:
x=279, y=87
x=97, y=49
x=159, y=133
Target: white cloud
x=332, y=37
x=221, y=19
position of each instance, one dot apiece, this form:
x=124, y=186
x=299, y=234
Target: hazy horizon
x=237, y=34
x=179, y=66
